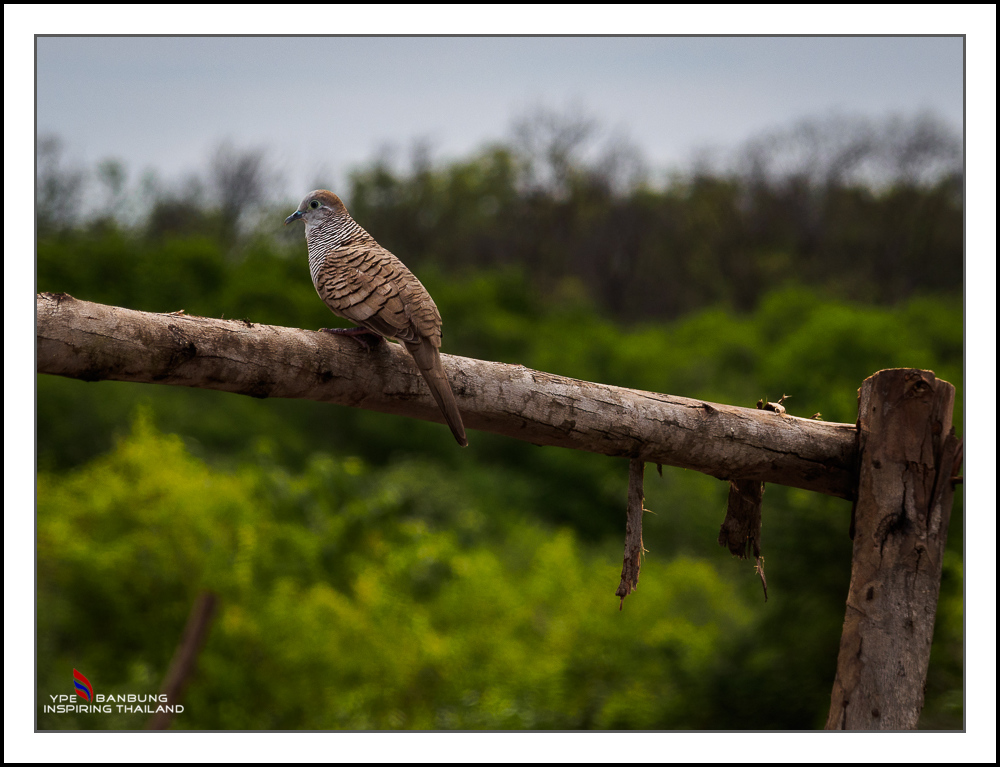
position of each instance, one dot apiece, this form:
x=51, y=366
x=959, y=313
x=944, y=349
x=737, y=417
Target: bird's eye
x=314, y=204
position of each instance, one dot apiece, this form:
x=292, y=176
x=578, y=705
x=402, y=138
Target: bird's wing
x=378, y=292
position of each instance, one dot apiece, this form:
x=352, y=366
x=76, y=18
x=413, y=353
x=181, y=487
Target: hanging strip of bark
x=633, y=532
x=186, y=656
x=908, y=453
x=740, y=531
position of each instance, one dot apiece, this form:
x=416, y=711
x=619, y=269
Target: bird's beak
x=294, y=217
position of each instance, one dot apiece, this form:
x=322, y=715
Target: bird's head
x=318, y=205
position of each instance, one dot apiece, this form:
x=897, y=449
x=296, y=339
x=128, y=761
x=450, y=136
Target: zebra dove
x=363, y=282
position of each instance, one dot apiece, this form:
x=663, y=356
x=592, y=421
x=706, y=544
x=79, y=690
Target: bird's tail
x=428, y=360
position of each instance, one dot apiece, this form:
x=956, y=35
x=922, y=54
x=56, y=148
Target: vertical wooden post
x=907, y=451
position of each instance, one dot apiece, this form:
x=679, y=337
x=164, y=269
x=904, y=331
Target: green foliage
x=350, y=598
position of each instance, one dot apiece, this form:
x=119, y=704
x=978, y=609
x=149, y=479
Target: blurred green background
x=370, y=574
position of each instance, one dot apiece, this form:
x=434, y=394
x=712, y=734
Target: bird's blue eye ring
x=314, y=204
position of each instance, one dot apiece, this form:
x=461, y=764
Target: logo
x=82, y=685
x=101, y=703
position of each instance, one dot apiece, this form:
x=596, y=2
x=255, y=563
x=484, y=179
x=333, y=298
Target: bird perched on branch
x=363, y=282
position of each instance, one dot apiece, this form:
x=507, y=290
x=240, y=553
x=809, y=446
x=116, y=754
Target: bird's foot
x=363, y=336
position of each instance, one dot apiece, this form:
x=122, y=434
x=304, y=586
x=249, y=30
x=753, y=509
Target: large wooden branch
x=94, y=342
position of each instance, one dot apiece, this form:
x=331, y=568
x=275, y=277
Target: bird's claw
x=363, y=336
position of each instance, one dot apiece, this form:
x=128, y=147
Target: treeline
x=861, y=211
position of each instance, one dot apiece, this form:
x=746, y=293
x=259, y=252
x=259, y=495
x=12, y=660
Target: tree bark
x=93, y=342
x=907, y=452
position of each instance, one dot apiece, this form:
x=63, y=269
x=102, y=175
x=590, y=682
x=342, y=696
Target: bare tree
x=550, y=145
x=112, y=177
x=58, y=187
x=239, y=180
x=922, y=149
x=837, y=150
x=622, y=165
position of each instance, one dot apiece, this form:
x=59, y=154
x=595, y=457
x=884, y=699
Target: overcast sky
x=325, y=105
